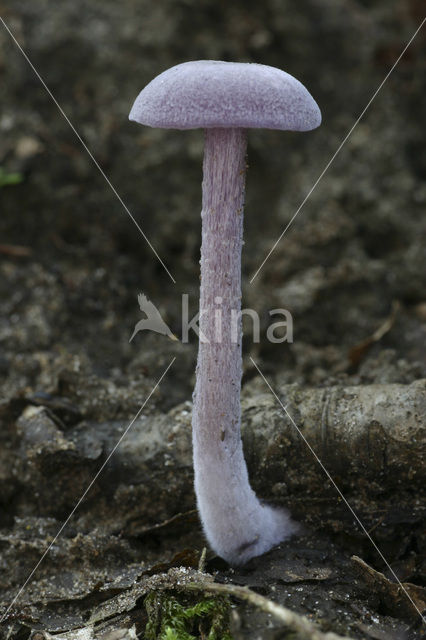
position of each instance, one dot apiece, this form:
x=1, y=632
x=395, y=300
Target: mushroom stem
x=237, y=526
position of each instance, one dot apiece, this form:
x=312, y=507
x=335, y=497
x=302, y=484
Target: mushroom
x=226, y=99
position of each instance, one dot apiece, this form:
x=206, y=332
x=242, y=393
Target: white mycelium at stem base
x=237, y=526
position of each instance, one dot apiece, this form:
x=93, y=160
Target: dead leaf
x=405, y=599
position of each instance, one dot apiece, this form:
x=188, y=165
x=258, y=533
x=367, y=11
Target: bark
x=370, y=434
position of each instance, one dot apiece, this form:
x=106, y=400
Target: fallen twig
x=15, y=250
x=294, y=621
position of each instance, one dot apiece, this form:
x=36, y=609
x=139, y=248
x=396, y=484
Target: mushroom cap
x=211, y=93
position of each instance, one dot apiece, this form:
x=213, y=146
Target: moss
x=170, y=618
x=9, y=178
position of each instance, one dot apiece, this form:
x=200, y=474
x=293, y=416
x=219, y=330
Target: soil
x=350, y=269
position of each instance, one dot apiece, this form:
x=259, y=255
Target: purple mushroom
x=225, y=99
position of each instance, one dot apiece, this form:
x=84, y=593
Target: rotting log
x=369, y=438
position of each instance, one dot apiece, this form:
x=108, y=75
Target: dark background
x=354, y=247
x=72, y=262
